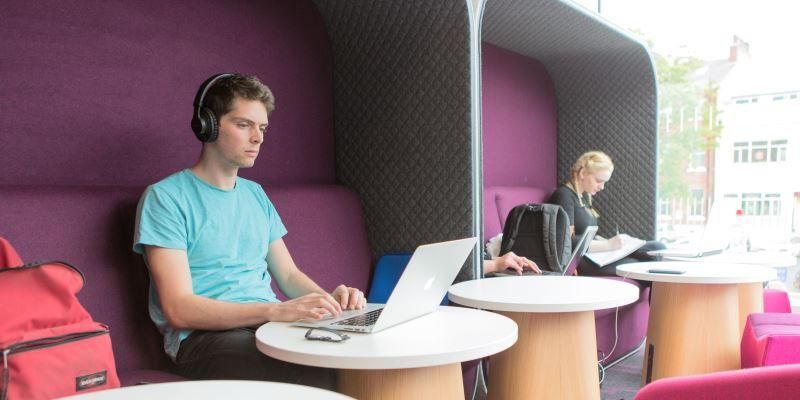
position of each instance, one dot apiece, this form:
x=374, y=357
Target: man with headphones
x=212, y=242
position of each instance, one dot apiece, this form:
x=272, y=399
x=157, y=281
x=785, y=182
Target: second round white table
x=555, y=356
x=696, y=318
x=416, y=359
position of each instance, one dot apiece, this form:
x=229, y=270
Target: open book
x=629, y=245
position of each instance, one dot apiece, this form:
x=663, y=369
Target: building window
x=663, y=207
x=772, y=204
x=698, y=161
x=758, y=151
x=740, y=152
x=742, y=101
x=751, y=203
x=777, y=98
x=696, y=203
x=777, y=150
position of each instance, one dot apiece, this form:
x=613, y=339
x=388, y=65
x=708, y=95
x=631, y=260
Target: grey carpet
x=622, y=380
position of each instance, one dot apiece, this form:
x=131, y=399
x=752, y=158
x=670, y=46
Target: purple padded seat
x=92, y=228
x=632, y=319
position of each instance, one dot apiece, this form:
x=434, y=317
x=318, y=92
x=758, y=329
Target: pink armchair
x=763, y=383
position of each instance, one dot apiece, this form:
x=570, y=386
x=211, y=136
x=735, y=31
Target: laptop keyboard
x=366, y=319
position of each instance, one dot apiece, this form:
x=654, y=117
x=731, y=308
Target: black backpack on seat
x=539, y=232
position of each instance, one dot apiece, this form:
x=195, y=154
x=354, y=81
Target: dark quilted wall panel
x=402, y=117
x=606, y=93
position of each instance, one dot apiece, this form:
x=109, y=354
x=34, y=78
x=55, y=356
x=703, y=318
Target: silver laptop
x=420, y=290
x=714, y=239
x=579, y=251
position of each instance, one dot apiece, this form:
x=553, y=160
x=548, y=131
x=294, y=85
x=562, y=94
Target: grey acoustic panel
x=402, y=116
x=606, y=94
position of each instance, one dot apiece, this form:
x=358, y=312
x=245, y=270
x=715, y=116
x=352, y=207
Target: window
x=751, y=203
x=663, y=207
x=758, y=152
x=772, y=202
x=777, y=98
x=698, y=161
x=740, y=152
x=777, y=150
x=696, y=203
x=742, y=101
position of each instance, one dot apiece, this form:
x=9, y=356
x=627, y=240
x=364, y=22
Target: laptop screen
x=580, y=249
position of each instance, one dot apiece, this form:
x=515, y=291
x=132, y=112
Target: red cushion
x=771, y=339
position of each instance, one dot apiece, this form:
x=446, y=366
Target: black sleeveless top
x=579, y=216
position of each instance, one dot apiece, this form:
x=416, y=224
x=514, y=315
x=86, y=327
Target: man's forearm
x=299, y=284
x=198, y=312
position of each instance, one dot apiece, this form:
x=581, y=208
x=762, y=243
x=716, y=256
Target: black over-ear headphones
x=204, y=122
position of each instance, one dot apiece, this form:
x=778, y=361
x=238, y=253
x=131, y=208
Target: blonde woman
x=588, y=176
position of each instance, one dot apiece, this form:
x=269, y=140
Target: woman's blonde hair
x=591, y=161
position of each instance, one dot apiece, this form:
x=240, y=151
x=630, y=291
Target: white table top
x=213, y=390
x=543, y=293
x=764, y=258
x=698, y=272
x=446, y=336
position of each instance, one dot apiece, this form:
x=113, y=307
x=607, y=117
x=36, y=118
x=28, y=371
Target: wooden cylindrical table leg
x=693, y=329
x=751, y=300
x=555, y=357
x=439, y=382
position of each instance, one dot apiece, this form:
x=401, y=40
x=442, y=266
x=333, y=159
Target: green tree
x=679, y=135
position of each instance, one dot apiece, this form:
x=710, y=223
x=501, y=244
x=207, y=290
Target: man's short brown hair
x=221, y=95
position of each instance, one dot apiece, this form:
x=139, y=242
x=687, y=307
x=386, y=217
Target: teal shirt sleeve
x=159, y=222
x=276, y=228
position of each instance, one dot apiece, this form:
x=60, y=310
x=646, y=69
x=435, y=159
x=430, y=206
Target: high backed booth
x=558, y=81
x=368, y=150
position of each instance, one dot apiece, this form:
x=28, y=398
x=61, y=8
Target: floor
x=622, y=380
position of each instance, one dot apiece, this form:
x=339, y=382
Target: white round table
x=416, y=359
x=696, y=318
x=555, y=356
x=213, y=390
x=772, y=259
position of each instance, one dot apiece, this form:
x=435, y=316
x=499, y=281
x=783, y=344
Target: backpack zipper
x=48, y=342
x=37, y=264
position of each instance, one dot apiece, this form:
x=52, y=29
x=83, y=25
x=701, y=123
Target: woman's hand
x=615, y=243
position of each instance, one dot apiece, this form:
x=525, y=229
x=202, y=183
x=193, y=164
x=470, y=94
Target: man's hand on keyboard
x=349, y=298
x=312, y=306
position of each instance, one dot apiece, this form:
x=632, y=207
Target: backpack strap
x=549, y=235
x=517, y=213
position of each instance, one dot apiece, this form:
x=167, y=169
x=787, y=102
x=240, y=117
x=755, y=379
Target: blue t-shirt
x=226, y=236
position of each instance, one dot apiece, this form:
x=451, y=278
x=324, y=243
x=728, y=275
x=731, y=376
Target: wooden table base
x=440, y=382
x=693, y=329
x=751, y=300
x=555, y=357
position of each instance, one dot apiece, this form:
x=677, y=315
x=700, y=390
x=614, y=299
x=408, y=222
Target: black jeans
x=233, y=354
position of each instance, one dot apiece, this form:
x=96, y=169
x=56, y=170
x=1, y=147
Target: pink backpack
x=49, y=343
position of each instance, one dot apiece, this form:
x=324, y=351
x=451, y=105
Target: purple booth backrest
x=100, y=92
x=92, y=227
x=519, y=120
x=498, y=202
x=519, y=134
